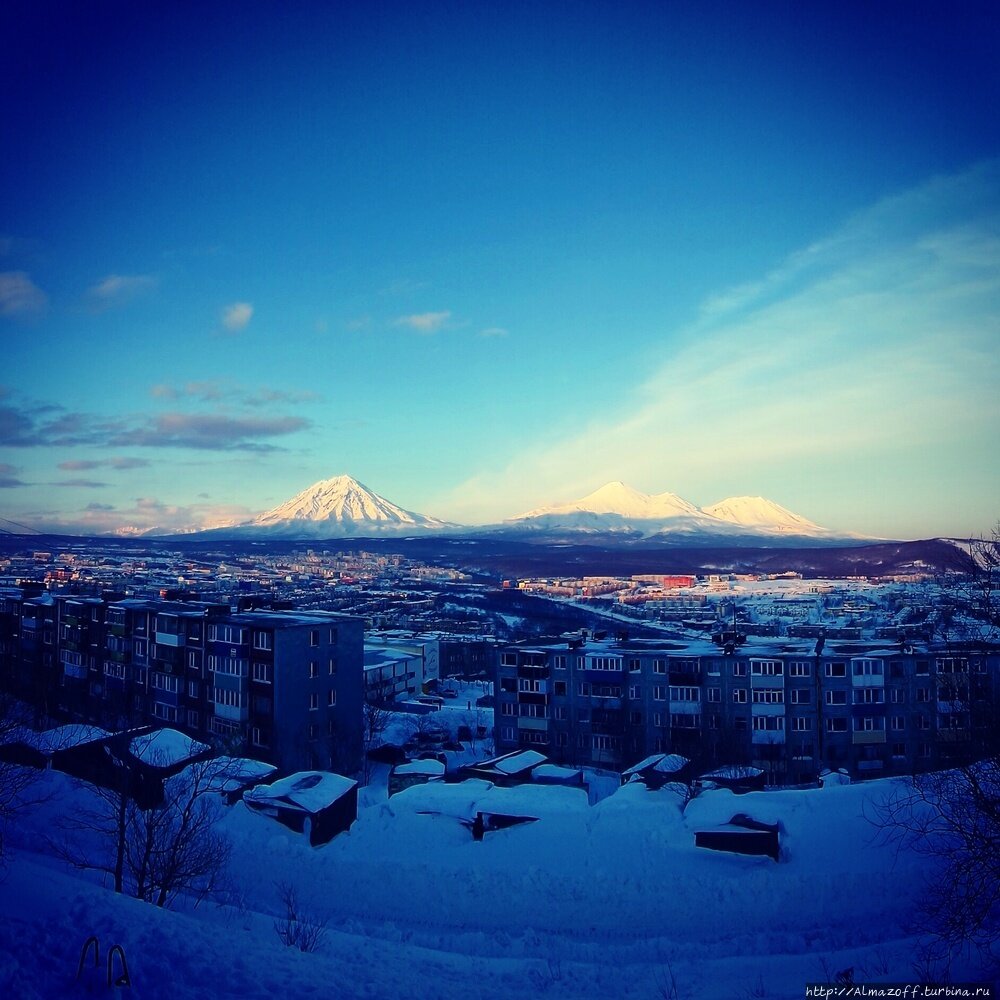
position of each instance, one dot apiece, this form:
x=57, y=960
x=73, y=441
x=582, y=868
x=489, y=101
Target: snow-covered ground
x=605, y=900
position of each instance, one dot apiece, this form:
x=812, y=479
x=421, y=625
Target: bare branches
x=298, y=929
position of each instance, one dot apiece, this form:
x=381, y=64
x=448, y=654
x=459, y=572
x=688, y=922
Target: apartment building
x=789, y=707
x=286, y=687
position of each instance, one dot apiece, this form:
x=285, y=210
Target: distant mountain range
x=342, y=506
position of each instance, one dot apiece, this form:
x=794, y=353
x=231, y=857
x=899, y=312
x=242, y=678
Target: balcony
x=232, y=713
x=524, y=722
x=866, y=737
x=168, y=639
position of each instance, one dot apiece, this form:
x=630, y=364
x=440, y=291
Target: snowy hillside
x=611, y=900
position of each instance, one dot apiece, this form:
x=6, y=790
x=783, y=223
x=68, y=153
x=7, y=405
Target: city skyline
x=487, y=259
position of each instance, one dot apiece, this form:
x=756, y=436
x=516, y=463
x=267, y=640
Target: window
x=899, y=749
x=231, y=699
x=740, y=696
x=685, y=694
x=508, y=659
x=168, y=713
x=713, y=668
x=799, y=696
x=634, y=666
x=923, y=722
x=314, y=637
x=331, y=698
x=867, y=668
x=559, y=688
x=562, y=740
x=313, y=669
x=898, y=696
x=560, y=662
x=262, y=672
x=659, y=666
x=869, y=724
x=766, y=668
x=333, y=636
x=714, y=722
x=603, y=663
x=192, y=658
x=331, y=666
x=923, y=694
x=684, y=720
x=657, y=718
x=635, y=718
x=161, y=682
x=633, y=692
x=232, y=665
x=800, y=668
x=508, y=684
x=836, y=725
x=922, y=667
x=739, y=670
x=659, y=693
x=559, y=713
x=314, y=701
x=263, y=640
x=532, y=711
x=869, y=696
x=952, y=665
x=836, y=697
x=192, y=719
x=508, y=708
x=528, y=685
x=313, y=731
x=924, y=750
x=898, y=723
x=801, y=725
x=192, y=689
x=599, y=742
x=835, y=669
x=740, y=722
x=714, y=694
x=769, y=723
x=584, y=689
x=768, y=696
x=259, y=737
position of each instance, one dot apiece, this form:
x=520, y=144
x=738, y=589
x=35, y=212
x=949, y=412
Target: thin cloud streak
x=875, y=343
x=19, y=295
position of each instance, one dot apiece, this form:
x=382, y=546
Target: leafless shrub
x=298, y=929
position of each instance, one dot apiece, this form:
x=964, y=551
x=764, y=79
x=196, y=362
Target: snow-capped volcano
x=338, y=506
x=616, y=507
x=757, y=512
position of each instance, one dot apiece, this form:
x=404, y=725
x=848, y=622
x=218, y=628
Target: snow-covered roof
x=555, y=771
x=517, y=762
x=734, y=772
x=420, y=767
x=165, y=747
x=309, y=791
x=227, y=774
x=60, y=738
x=665, y=763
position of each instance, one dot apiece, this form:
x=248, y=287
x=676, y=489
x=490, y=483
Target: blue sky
x=489, y=256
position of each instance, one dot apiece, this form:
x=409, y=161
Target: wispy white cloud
x=117, y=289
x=493, y=331
x=19, y=295
x=874, y=348
x=428, y=322
x=236, y=316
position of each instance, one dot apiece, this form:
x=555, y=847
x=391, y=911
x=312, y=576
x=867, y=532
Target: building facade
x=286, y=687
x=792, y=708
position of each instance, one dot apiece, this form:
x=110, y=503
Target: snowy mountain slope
x=332, y=508
x=759, y=513
x=616, y=507
x=417, y=908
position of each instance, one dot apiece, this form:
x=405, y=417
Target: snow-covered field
x=609, y=900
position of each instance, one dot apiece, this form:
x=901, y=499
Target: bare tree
x=953, y=816
x=376, y=716
x=152, y=853
x=19, y=787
